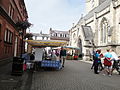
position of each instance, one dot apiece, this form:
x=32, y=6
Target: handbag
x=107, y=62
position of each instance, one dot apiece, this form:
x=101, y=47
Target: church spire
x=41, y=32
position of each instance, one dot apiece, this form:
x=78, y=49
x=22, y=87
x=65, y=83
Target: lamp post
x=17, y=66
x=21, y=27
x=21, y=33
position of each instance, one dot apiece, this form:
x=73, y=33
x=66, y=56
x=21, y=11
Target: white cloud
x=57, y=14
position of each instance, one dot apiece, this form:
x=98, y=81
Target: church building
x=99, y=28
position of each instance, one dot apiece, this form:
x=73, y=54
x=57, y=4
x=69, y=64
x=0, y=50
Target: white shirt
x=114, y=56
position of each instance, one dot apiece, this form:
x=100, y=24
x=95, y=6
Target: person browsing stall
x=62, y=56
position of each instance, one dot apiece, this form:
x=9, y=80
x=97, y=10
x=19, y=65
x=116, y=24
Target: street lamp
x=21, y=33
x=17, y=65
x=23, y=25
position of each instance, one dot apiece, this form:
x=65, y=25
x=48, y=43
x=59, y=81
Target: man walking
x=62, y=56
x=114, y=59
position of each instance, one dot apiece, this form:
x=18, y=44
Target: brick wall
x=11, y=11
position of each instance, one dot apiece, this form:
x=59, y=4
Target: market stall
x=73, y=52
x=40, y=54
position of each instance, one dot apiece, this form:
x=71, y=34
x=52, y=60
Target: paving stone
x=75, y=76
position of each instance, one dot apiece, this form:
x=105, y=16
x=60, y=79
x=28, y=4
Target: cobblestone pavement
x=7, y=81
x=11, y=82
x=76, y=75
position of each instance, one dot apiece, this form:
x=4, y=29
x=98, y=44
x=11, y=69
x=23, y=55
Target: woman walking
x=107, y=63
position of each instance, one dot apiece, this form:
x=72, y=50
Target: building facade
x=11, y=12
x=41, y=36
x=53, y=36
x=36, y=36
x=59, y=35
x=99, y=28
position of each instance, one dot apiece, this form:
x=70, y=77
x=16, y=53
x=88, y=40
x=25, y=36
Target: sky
x=56, y=14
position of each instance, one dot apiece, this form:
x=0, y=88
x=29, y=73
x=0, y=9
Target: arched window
x=93, y=3
x=74, y=35
x=104, y=31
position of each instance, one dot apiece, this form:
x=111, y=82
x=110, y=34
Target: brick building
x=12, y=13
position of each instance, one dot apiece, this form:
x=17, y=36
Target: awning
x=71, y=47
x=46, y=43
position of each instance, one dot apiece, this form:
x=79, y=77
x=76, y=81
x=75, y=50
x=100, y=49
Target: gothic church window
x=93, y=3
x=74, y=35
x=104, y=31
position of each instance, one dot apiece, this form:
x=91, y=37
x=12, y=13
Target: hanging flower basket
x=29, y=36
x=23, y=25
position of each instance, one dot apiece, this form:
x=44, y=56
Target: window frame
x=8, y=36
x=11, y=11
x=104, y=31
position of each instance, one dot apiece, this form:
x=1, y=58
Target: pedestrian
x=54, y=57
x=97, y=61
x=94, y=52
x=26, y=57
x=107, y=63
x=62, y=56
x=32, y=57
x=114, y=60
x=57, y=53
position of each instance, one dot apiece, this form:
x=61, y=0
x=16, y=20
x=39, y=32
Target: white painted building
x=100, y=26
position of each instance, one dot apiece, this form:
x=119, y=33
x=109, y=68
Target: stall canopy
x=46, y=43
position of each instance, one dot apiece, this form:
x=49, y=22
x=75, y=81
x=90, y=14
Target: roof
x=46, y=43
x=88, y=34
x=57, y=31
x=99, y=8
x=40, y=35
